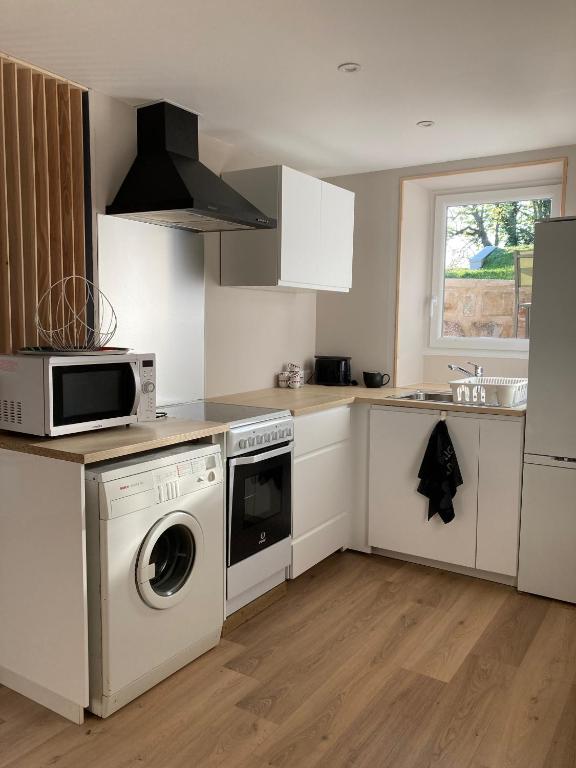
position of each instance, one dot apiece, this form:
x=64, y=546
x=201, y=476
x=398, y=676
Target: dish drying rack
x=490, y=390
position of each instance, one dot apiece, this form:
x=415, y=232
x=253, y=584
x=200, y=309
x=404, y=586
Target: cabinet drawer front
x=322, y=488
x=398, y=514
x=319, y=544
x=318, y=430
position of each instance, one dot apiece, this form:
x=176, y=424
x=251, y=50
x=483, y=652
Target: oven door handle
x=262, y=456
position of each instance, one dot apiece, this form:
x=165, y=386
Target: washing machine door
x=169, y=557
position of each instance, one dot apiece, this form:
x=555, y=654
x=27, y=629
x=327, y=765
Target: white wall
x=413, y=287
x=154, y=278
x=249, y=334
x=362, y=322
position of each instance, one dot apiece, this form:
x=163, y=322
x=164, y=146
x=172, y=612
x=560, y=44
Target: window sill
x=480, y=350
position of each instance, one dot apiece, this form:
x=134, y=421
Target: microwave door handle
x=262, y=456
x=138, y=389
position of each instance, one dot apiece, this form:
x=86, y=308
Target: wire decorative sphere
x=73, y=314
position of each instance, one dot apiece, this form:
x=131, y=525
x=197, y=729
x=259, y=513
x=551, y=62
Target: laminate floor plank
x=509, y=636
x=322, y=617
x=294, y=675
x=24, y=725
x=312, y=593
x=563, y=748
x=527, y=728
x=105, y=743
x=455, y=636
x=367, y=662
x=327, y=713
x=387, y=723
x=461, y=716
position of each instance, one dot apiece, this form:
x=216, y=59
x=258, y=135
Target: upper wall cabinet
x=312, y=245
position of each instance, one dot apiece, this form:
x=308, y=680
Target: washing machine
x=155, y=536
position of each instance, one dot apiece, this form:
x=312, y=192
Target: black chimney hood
x=168, y=185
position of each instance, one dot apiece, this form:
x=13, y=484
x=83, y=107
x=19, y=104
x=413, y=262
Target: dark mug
x=375, y=379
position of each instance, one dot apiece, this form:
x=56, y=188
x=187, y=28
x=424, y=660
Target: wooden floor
x=366, y=662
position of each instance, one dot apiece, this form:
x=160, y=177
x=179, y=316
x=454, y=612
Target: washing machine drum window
x=169, y=559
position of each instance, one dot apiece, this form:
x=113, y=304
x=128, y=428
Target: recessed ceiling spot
x=349, y=67
x=425, y=123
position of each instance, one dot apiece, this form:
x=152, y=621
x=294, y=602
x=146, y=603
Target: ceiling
x=497, y=76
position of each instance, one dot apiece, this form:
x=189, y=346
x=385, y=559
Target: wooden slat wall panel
x=28, y=203
x=76, y=126
x=42, y=216
x=12, y=151
x=41, y=187
x=5, y=329
x=54, y=198
x=65, y=136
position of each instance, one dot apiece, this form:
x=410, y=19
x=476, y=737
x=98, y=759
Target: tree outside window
x=484, y=262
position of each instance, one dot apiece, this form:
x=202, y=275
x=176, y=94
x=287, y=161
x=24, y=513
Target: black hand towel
x=440, y=474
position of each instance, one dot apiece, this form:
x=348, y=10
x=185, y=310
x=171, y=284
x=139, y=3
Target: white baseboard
x=68, y=709
x=501, y=578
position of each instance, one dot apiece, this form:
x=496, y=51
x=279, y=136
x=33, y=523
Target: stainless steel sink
x=432, y=397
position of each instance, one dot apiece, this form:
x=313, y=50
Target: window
x=482, y=272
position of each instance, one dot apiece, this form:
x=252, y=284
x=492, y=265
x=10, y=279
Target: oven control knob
x=275, y=435
x=280, y=433
x=251, y=441
x=211, y=477
x=148, y=387
x=259, y=439
x=267, y=437
x=242, y=444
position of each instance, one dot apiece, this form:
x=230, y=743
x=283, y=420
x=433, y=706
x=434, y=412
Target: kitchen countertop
x=90, y=447
x=312, y=398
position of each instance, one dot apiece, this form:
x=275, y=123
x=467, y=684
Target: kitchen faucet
x=478, y=369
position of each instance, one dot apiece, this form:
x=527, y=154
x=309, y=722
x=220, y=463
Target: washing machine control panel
x=186, y=477
x=161, y=484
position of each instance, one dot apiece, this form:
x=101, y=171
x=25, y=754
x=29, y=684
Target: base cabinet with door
x=484, y=534
x=312, y=244
x=321, y=508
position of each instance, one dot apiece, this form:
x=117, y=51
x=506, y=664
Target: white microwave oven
x=63, y=394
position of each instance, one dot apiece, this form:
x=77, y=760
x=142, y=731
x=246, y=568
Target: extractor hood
x=168, y=185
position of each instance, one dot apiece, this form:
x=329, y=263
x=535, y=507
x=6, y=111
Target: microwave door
x=260, y=502
x=91, y=396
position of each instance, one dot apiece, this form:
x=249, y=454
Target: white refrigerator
x=548, y=524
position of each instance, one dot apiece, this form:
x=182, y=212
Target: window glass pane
x=488, y=268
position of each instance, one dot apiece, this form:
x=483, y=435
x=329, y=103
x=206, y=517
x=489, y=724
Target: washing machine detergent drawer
x=162, y=582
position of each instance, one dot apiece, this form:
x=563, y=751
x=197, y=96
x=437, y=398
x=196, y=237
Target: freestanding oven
x=260, y=461
x=259, y=449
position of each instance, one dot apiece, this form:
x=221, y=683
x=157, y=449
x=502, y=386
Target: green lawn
x=499, y=265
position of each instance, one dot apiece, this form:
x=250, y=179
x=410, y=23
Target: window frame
x=441, y=204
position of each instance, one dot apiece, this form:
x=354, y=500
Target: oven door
x=92, y=395
x=259, y=501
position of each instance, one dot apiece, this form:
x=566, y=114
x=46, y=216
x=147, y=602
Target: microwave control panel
x=147, y=407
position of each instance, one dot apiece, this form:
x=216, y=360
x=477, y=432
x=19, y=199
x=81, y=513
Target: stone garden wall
x=482, y=308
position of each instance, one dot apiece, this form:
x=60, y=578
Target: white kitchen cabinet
x=312, y=245
x=484, y=534
x=300, y=228
x=337, y=232
x=499, y=493
x=398, y=518
x=322, y=486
